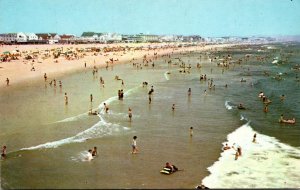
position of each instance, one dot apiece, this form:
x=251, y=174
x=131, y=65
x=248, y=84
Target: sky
x=206, y=18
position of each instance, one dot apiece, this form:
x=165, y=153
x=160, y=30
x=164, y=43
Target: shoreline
x=18, y=71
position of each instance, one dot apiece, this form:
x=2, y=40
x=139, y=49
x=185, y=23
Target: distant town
x=106, y=38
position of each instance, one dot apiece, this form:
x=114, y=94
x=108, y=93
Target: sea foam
x=267, y=163
x=100, y=129
x=228, y=106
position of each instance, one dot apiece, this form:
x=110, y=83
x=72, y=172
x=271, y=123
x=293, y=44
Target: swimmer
x=173, y=107
x=266, y=108
x=282, y=97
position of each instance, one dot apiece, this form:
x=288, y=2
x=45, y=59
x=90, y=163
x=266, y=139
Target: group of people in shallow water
x=267, y=101
x=237, y=148
x=92, y=153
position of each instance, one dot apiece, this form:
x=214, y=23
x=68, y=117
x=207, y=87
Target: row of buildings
x=94, y=37
x=91, y=37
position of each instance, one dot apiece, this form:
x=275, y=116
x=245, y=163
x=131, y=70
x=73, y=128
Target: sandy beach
x=19, y=71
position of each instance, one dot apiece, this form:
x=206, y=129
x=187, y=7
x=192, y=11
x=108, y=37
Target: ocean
x=48, y=141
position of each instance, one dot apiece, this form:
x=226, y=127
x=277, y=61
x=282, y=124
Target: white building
x=110, y=37
x=14, y=37
x=31, y=37
x=168, y=38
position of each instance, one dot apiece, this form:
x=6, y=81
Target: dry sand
x=19, y=71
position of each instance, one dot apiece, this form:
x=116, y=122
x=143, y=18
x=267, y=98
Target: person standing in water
x=3, y=153
x=266, y=108
x=105, y=108
x=66, y=99
x=191, y=131
x=91, y=97
x=254, y=138
x=150, y=99
x=94, y=152
x=134, y=145
x=173, y=107
x=130, y=114
x=189, y=92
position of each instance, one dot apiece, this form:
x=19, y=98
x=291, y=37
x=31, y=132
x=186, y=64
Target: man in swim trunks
x=173, y=168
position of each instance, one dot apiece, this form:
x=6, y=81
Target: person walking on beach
x=66, y=98
x=7, y=82
x=45, y=77
x=134, y=145
x=84, y=64
x=130, y=114
x=3, y=152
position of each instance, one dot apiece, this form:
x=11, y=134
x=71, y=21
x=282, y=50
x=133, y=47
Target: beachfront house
x=48, y=38
x=19, y=37
x=31, y=36
x=66, y=38
x=90, y=37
